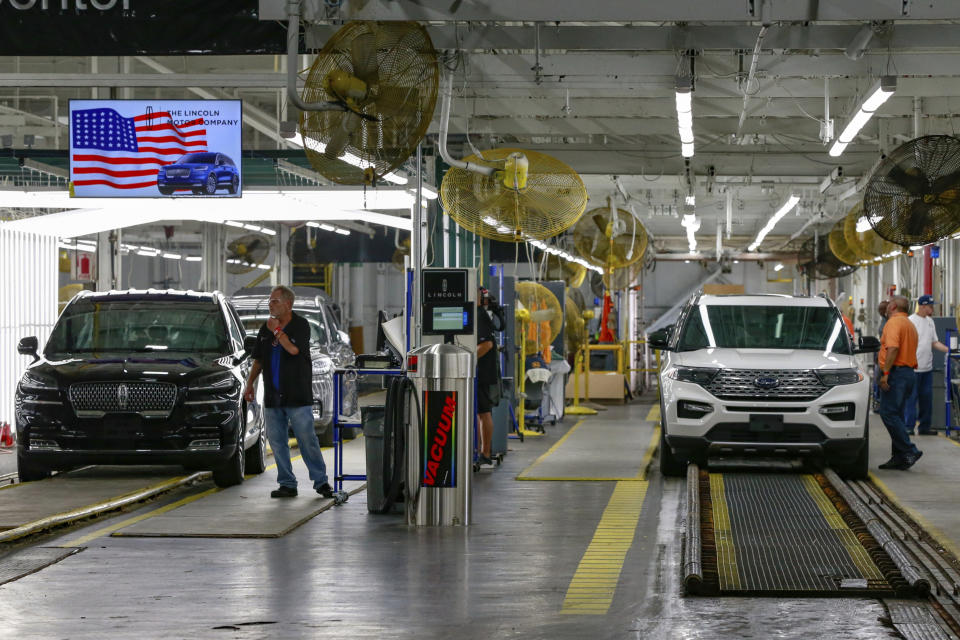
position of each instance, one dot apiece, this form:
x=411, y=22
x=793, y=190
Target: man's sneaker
x=482, y=459
x=325, y=490
x=912, y=460
x=895, y=463
x=931, y=432
x=284, y=492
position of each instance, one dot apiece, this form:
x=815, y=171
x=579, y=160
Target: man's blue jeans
x=892, y=404
x=300, y=420
x=922, y=395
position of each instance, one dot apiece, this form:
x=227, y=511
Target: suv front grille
x=146, y=398
x=739, y=384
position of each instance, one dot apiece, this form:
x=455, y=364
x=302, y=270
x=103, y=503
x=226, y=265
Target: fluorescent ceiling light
x=774, y=219
x=193, y=258
x=231, y=223
x=343, y=232
x=172, y=256
x=863, y=224
x=684, y=103
x=427, y=191
x=692, y=225
x=105, y=214
x=879, y=93
x=778, y=266
x=349, y=158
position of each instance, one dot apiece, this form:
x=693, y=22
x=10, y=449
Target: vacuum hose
x=395, y=438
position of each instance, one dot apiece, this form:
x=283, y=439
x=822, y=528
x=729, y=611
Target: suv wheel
x=859, y=467
x=166, y=191
x=231, y=472
x=210, y=186
x=234, y=184
x=256, y=458
x=29, y=471
x=670, y=465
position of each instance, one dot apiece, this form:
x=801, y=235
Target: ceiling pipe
x=750, y=77
x=293, y=49
x=444, y=125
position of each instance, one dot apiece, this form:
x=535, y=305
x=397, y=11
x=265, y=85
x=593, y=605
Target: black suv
x=140, y=377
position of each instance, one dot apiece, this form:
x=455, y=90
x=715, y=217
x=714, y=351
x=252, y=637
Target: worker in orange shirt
x=897, y=361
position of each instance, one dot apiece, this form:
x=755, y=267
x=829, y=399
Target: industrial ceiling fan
x=370, y=96
x=913, y=196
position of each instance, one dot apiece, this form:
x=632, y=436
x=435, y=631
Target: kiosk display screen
x=450, y=319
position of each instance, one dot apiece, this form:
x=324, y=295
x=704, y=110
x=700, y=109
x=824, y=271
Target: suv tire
x=670, y=465
x=859, y=467
x=231, y=472
x=256, y=458
x=28, y=471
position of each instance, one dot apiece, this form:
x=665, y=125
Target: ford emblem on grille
x=123, y=395
x=766, y=382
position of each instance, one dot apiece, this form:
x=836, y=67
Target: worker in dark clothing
x=488, y=370
x=283, y=354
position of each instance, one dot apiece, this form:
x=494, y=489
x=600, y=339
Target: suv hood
x=166, y=367
x=764, y=359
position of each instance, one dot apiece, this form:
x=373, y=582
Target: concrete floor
x=347, y=573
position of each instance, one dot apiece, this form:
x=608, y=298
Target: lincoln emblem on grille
x=766, y=382
x=122, y=396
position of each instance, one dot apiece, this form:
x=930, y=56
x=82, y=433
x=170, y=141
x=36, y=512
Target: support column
x=108, y=260
x=213, y=268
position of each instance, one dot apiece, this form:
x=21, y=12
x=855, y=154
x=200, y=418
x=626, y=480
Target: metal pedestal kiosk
x=440, y=448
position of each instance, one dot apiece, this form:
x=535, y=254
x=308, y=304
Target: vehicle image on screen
x=203, y=172
x=329, y=345
x=140, y=377
x=762, y=376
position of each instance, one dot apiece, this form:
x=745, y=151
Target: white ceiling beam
x=703, y=38
x=644, y=12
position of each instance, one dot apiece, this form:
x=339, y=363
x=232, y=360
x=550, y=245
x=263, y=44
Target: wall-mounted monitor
x=156, y=148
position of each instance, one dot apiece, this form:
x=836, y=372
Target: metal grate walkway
x=780, y=533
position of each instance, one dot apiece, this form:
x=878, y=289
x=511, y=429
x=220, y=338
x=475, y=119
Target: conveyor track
x=781, y=534
x=817, y=535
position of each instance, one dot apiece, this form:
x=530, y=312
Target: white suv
x=762, y=375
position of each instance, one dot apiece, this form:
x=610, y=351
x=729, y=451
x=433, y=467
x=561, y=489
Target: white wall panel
x=28, y=304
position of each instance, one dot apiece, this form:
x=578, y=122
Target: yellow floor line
x=110, y=528
x=858, y=555
x=723, y=536
x=654, y=414
x=552, y=449
x=594, y=583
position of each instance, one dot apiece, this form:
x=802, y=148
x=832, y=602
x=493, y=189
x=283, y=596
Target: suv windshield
x=757, y=327
x=139, y=325
x=198, y=158
x=318, y=333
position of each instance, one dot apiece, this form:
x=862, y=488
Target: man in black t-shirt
x=488, y=373
x=283, y=354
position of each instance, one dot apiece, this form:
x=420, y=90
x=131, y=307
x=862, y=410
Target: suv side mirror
x=29, y=347
x=249, y=344
x=659, y=340
x=868, y=344
x=344, y=336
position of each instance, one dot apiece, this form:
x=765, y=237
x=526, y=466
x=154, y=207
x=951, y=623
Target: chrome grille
x=95, y=398
x=178, y=173
x=738, y=384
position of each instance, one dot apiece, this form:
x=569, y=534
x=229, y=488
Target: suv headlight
x=222, y=383
x=697, y=375
x=322, y=366
x=834, y=377
x=37, y=382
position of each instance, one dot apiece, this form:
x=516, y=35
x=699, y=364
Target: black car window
x=236, y=329
x=89, y=326
x=198, y=158
x=764, y=327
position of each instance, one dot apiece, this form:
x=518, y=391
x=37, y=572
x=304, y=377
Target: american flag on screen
x=125, y=153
